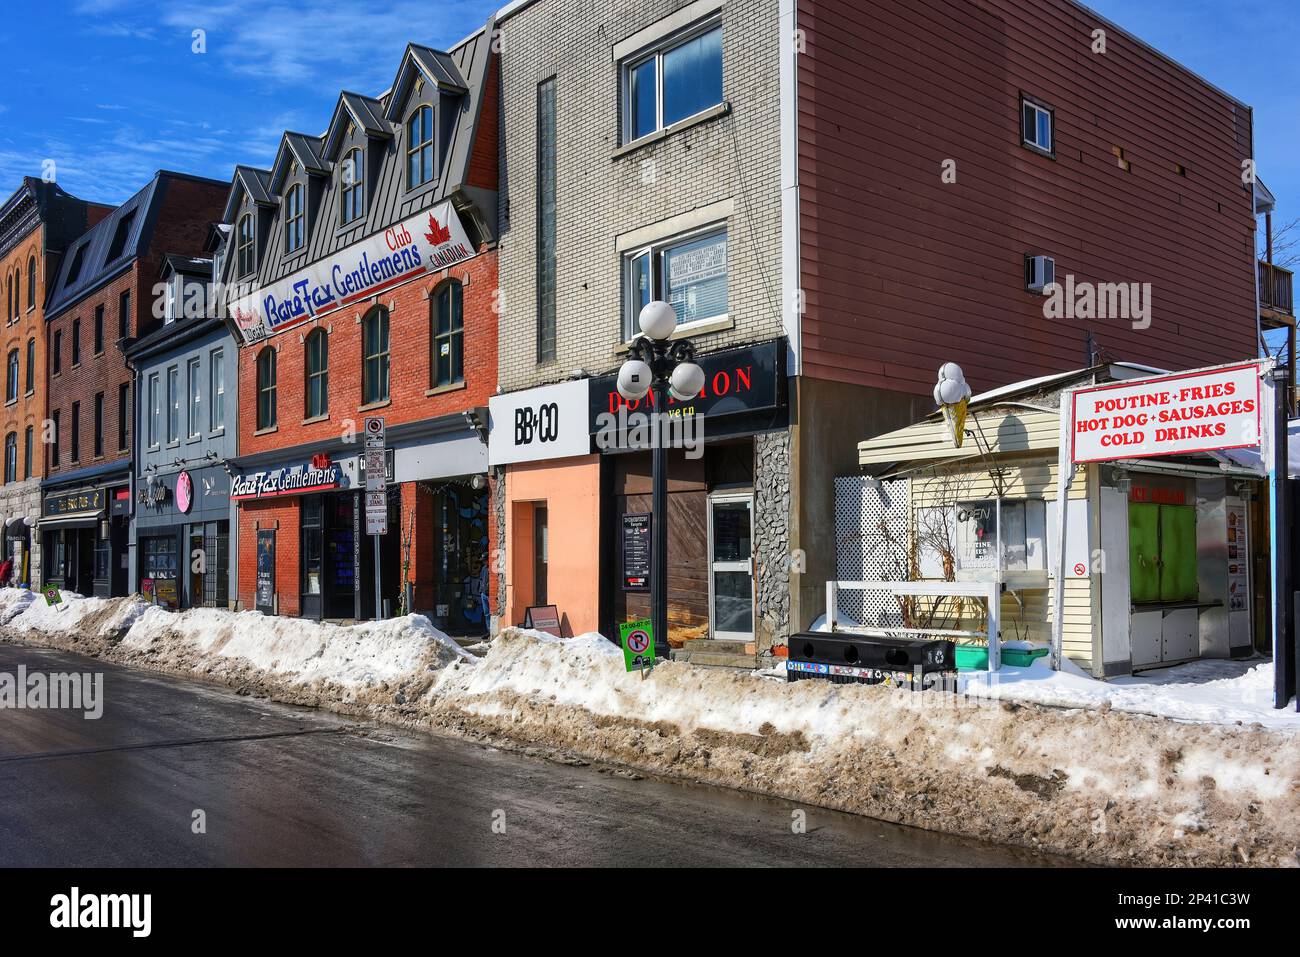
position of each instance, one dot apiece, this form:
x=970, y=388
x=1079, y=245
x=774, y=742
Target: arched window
x=295, y=219
x=446, y=333
x=9, y=296
x=11, y=457
x=318, y=373
x=419, y=147
x=18, y=292
x=11, y=376
x=31, y=283
x=244, y=245
x=266, y=412
x=374, y=365
x=31, y=366
x=352, y=186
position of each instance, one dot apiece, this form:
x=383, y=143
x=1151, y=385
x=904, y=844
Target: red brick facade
x=411, y=400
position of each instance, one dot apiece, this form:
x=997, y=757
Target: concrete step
x=715, y=646
x=723, y=660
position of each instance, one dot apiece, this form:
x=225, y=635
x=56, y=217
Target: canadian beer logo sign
x=1200, y=411
x=435, y=239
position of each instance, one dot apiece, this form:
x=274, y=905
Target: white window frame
x=290, y=218
x=655, y=251
x=1038, y=108
x=155, y=410
x=217, y=385
x=173, y=405
x=656, y=53
x=194, y=411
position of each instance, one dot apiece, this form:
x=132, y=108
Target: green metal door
x=1144, y=551
x=1178, y=553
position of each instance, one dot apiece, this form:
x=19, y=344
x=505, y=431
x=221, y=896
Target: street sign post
x=637, y=638
x=376, y=494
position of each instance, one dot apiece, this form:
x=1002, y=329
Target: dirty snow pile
x=264, y=650
x=1104, y=785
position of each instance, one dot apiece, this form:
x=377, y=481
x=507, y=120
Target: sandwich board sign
x=637, y=639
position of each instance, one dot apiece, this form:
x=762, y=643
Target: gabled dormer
x=423, y=106
x=250, y=211
x=355, y=145
x=298, y=177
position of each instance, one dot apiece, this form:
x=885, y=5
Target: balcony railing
x=1275, y=289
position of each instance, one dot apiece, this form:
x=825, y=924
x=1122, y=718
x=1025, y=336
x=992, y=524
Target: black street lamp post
x=660, y=367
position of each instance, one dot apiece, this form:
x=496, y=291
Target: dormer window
x=295, y=219
x=244, y=245
x=75, y=269
x=419, y=147
x=352, y=193
x=120, y=235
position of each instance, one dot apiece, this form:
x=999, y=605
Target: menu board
x=636, y=551
x=1238, y=557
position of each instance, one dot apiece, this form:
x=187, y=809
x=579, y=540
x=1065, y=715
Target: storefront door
x=731, y=569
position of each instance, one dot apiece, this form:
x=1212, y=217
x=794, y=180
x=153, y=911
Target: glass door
x=731, y=567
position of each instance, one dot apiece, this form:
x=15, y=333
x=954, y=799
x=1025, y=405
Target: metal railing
x=1275, y=288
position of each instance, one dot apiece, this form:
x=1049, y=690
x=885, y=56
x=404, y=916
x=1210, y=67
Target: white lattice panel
x=871, y=533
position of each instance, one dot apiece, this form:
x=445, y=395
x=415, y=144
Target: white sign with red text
x=432, y=240
x=1179, y=414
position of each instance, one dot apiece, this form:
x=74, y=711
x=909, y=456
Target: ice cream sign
x=1203, y=411
x=434, y=239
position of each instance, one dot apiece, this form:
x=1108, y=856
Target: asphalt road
x=291, y=787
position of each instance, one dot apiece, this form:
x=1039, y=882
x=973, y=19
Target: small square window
x=1036, y=127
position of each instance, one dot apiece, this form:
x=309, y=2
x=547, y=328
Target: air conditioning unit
x=1040, y=272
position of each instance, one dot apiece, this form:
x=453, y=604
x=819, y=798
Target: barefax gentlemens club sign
x=435, y=239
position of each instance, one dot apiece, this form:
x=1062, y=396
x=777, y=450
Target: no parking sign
x=637, y=638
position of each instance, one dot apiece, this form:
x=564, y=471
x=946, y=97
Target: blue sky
x=111, y=91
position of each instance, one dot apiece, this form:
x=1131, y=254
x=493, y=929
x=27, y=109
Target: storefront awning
x=72, y=520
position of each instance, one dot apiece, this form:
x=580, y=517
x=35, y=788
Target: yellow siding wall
x=1026, y=477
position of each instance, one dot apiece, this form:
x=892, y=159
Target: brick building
x=856, y=192
x=361, y=274
x=36, y=225
x=103, y=296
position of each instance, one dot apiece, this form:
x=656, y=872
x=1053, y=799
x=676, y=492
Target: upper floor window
x=56, y=353
x=447, y=335
x=419, y=147
x=31, y=283
x=76, y=342
x=193, y=424
x=15, y=293
x=27, y=452
x=244, y=245
x=374, y=366
x=689, y=273
x=155, y=410
x=31, y=366
x=11, y=457
x=352, y=188
x=11, y=377
x=266, y=410
x=75, y=269
x=674, y=81
x=217, y=388
x=173, y=404
x=318, y=372
x=99, y=329
x=124, y=315
x=295, y=219
x=1037, y=124
x=120, y=234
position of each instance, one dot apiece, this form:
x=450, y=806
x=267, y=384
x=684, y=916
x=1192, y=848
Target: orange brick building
x=37, y=223
x=361, y=273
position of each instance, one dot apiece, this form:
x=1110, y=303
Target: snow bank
x=1243, y=699
x=273, y=651
x=1105, y=785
